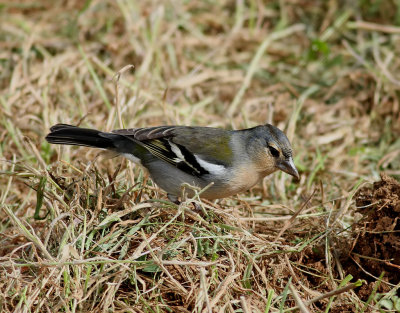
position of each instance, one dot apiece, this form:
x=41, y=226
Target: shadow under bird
x=233, y=160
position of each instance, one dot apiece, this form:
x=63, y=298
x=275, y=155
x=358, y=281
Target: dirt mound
x=376, y=245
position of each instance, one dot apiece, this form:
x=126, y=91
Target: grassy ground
x=84, y=233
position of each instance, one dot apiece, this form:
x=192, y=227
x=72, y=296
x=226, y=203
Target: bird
x=226, y=161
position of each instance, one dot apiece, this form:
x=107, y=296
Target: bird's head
x=272, y=150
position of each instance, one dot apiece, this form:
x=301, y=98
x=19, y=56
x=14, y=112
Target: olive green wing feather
x=181, y=146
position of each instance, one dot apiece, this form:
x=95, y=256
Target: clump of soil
x=376, y=245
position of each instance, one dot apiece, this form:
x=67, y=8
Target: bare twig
x=300, y=303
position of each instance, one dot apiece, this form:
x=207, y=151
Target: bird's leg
x=197, y=208
x=173, y=199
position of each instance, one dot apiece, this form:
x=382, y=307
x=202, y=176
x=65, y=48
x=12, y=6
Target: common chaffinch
x=233, y=160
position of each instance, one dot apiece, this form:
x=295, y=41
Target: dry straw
x=81, y=232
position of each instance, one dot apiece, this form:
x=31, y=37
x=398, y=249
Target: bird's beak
x=288, y=167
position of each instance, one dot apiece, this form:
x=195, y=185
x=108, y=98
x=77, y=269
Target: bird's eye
x=274, y=152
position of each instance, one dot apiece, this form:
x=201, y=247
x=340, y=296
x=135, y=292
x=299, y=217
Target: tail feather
x=72, y=135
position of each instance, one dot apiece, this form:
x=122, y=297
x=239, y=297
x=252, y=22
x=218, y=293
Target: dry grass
x=83, y=233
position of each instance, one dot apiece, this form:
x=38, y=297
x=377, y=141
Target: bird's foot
x=173, y=199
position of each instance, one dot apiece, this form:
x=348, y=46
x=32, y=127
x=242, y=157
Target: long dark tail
x=65, y=134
